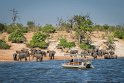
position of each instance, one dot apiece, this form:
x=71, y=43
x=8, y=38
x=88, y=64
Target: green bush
x=65, y=44
x=85, y=46
x=17, y=37
x=70, y=44
x=48, y=29
x=2, y=27
x=119, y=34
x=14, y=27
x=38, y=40
x=41, y=44
x=4, y=45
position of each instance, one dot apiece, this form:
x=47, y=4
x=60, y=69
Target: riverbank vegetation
x=81, y=28
x=4, y=45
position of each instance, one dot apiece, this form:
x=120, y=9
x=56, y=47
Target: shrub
x=17, y=37
x=38, y=40
x=4, y=45
x=48, y=29
x=41, y=44
x=85, y=46
x=2, y=27
x=119, y=34
x=70, y=44
x=14, y=27
x=64, y=43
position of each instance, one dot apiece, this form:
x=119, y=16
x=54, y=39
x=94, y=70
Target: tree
x=106, y=29
x=2, y=27
x=66, y=25
x=31, y=25
x=61, y=24
x=83, y=26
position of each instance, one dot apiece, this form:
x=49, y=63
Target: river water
x=105, y=71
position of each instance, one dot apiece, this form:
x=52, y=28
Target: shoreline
x=47, y=58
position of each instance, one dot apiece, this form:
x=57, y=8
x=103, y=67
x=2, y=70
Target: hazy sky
x=46, y=11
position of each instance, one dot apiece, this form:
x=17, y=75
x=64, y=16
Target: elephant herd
x=34, y=53
x=95, y=53
x=40, y=54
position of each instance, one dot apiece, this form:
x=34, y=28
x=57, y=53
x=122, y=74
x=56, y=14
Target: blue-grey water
x=105, y=71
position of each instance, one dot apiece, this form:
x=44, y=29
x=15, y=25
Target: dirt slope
x=96, y=38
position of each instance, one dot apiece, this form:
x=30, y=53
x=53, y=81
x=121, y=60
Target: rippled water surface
x=105, y=71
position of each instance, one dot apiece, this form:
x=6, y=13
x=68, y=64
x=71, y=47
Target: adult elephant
x=73, y=52
x=27, y=53
x=94, y=55
x=84, y=53
x=110, y=55
x=51, y=54
x=38, y=55
x=43, y=53
x=15, y=56
x=21, y=55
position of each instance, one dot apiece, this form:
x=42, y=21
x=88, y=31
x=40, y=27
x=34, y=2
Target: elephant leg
x=25, y=58
x=33, y=57
x=15, y=58
x=20, y=59
x=116, y=57
x=53, y=56
x=29, y=58
x=50, y=57
x=36, y=59
x=41, y=59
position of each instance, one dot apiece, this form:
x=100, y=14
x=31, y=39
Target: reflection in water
x=105, y=71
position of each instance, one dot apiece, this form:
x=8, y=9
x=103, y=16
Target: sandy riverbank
x=10, y=58
x=7, y=55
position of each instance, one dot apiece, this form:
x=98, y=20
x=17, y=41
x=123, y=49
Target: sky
x=43, y=12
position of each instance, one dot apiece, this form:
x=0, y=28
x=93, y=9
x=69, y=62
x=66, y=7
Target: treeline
x=81, y=25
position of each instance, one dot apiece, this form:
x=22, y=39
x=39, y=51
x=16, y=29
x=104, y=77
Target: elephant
x=27, y=53
x=21, y=55
x=51, y=54
x=84, y=53
x=110, y=55
x=38, y=55
x=73, y=52
x=15, y=56
x=94, y=55
x=43, y=53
